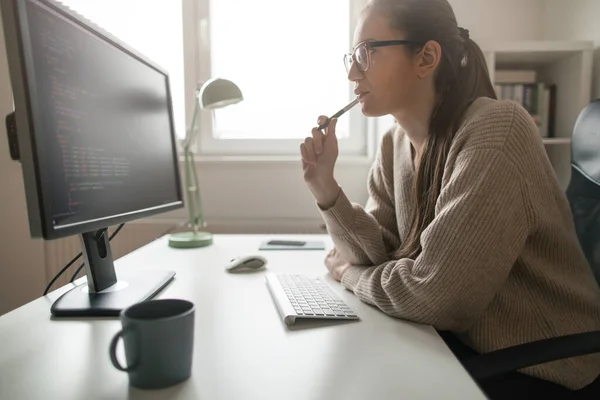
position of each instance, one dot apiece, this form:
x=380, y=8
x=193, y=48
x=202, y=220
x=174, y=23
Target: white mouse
x=251, y=262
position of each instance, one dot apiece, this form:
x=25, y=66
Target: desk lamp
x=214, y=93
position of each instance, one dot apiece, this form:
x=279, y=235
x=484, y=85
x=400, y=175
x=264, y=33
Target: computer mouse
x=247, y=263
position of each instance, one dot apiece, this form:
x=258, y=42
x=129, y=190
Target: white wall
x=583, y=23
x=500, y=20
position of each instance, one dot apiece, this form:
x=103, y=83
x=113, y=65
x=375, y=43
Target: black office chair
x=584, y=197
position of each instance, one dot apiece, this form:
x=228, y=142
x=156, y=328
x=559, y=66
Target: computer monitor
x=94, y=131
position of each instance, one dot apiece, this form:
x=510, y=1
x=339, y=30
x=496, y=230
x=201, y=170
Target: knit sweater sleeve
x=366, y=236
x=468, y=250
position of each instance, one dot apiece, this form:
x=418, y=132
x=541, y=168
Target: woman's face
x=391, y=80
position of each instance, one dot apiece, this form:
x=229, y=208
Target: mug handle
x=113, y=352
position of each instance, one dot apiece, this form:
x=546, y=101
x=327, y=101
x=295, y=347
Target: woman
x=466, y=228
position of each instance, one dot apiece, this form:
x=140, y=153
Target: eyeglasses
x=362, y=52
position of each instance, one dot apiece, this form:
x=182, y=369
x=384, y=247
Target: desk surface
x=242, y=348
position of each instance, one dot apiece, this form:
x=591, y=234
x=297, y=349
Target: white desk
x=242, y=348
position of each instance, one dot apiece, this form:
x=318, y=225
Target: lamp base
x=190, y=240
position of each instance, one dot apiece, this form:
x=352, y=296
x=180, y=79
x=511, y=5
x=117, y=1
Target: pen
x=339, y=113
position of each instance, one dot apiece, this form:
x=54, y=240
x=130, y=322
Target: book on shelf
x=515, y=75
x=538, y=98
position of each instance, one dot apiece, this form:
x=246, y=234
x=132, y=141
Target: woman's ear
x=429, y=58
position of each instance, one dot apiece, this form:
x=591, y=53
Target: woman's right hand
x=319, y=154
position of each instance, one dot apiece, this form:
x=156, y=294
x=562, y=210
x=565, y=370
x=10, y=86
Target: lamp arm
x=191, y=179
x=199, y=217
x=189, y=187
x=192, y=134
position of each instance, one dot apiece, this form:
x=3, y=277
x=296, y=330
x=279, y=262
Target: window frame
x=196, y=35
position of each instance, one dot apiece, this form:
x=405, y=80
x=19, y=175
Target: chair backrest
x=584, y=187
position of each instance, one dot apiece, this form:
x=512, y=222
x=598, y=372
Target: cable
x=77, y=273
x=66, y=267
x=171, y=229
x=62, y=271
x=83, y=264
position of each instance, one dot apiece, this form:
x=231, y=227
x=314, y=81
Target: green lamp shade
x=218, y=93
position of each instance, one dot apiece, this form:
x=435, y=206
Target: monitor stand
x=104, y=295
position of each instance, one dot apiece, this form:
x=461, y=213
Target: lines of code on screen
x=103, y=124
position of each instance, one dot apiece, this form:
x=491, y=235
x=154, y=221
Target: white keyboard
x=298, y=296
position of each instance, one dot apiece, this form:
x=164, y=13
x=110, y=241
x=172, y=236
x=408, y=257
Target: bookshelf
x=562, y=66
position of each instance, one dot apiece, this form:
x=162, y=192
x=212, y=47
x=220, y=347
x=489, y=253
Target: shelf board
x=556, y=140
x=535, y=53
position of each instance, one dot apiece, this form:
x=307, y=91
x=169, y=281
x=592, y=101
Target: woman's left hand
x=336, y=264
x=337, y=270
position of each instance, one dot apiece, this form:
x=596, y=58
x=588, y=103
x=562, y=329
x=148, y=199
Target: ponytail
x=462, y=77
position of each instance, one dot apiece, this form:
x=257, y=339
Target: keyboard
x=302, y=297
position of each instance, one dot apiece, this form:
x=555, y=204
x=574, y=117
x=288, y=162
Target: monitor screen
x=102, y=125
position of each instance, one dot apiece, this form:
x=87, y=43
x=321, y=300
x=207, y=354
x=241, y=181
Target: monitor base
x=190, y=240
x=131, y=288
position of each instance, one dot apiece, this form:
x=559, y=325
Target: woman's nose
x=354, y=74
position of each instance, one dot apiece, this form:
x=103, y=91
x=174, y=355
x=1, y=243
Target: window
x=154, y=28
x=288, y=62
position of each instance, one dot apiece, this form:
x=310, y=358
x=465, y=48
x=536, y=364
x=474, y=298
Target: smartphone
x=286, y=243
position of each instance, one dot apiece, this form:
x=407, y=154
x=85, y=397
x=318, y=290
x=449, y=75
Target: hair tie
x=464, y=34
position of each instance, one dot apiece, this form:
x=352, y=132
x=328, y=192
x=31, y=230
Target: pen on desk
x=339, y=113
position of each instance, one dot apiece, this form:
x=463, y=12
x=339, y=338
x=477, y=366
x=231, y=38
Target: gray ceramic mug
x=159, y=343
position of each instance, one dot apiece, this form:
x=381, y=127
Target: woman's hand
x=319, y=154
x=336, y=264
x=337, y=272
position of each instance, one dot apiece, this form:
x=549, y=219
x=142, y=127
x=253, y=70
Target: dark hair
x=462, y=76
